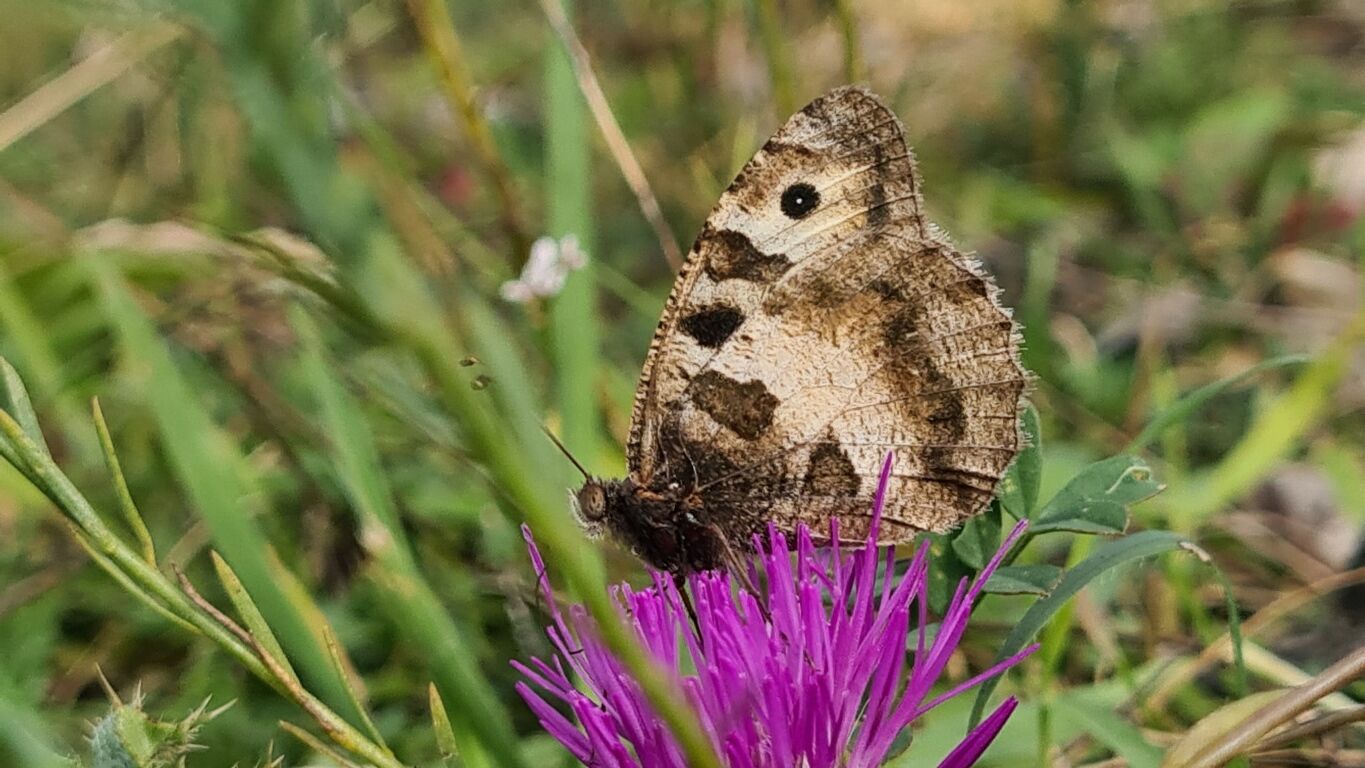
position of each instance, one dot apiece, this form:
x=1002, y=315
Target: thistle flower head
x=812, y=673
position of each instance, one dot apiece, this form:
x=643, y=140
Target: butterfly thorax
x=665, y=527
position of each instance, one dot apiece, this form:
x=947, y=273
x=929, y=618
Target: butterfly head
x=590, y=506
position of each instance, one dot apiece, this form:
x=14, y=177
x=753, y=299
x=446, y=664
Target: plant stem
x=573, y=316
x=443, y=46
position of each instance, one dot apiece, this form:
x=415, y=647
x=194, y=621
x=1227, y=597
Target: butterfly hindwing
x=818, y=323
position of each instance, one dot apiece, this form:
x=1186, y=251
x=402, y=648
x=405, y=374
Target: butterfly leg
x=680, y=584
x=740, y=566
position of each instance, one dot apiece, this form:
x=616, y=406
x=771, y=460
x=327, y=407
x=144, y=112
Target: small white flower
x=546, y=269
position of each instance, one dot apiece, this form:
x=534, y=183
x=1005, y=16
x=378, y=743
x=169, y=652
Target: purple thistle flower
x=818, y=680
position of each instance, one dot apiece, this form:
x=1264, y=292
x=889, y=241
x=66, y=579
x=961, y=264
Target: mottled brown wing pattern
x=817, y=324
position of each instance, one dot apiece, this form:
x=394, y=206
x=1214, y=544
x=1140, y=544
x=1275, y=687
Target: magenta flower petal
x=966, y=753
x=813, y=673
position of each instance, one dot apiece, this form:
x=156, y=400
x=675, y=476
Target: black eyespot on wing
x=799, y=199
x=712, y=326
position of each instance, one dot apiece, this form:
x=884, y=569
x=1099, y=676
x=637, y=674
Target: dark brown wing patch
x=744, y=407
x=830, y=471
x=712, y=326
x=731, y=255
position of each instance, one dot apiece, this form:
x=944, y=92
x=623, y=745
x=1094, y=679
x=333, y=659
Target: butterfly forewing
x=818, y=323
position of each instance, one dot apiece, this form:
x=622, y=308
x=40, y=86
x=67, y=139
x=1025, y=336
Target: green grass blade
x=513, y=386
x=574, y=334
x=208, y=467
x=355, y=687
x=412, y=606
x=449, y=737
x=19, y=405
x=349, y=439
x=250, y=614
x=1106, y=727
x=1107, y=556
x=1275, y=432
x=440, y=723
x=1192, y=401
x=131, y=515
x=25, y=740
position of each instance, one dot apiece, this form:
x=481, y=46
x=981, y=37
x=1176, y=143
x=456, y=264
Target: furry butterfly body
x=819, y=321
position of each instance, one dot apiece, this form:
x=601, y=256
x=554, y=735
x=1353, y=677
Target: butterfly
x=819, y=321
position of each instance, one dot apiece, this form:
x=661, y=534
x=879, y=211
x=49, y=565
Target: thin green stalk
x=1055, y=636
x=1051, y=647
x=573, y=316
x=1044, y=733
x=414, y=608
x=563, y=544
x=127, y=506
x=1275, y=432
x=48, y=478
x=769, y=22
x=611, y=132
x=848, y=29
x=207, y=465
x=443, y=46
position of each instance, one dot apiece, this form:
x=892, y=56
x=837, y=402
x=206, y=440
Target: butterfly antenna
x=564, y=450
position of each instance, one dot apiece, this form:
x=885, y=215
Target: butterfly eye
x=799, y=199
x=592, y=503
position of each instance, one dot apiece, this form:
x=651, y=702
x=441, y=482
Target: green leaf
x=1097, y=499
x=440, y=723
x=1106, y=727
x=979, y=538
x=251, y=615
x=1024, y=579
x=1192, y=401
x=1107, y=556
x=1019, y=488
x=19, y=405
x=127, y=506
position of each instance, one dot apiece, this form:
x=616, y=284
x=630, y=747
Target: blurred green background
x=271, y=237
